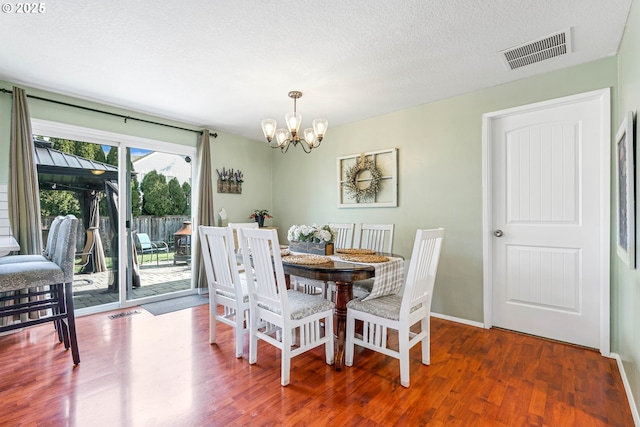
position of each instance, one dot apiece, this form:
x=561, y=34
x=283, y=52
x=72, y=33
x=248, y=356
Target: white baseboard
x=627, y=389
x=458, y=320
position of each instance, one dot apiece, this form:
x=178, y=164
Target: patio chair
x=400, y=311
x=146, y=246
x=87, y=252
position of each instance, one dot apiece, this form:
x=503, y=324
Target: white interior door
x=548, y=219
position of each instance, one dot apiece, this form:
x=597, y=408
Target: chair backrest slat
x=235, y=226
x=377, y=237
x=268, y=286
x=344, y=234
x=219, y=260
x=422, y=269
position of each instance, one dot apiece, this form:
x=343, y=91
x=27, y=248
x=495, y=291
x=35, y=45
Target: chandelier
x=283, y=138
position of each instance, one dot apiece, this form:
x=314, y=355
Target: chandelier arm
x=270, y=144
x=305, y=145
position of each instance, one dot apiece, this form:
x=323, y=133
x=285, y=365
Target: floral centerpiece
x=312, y=239
x=259, y=215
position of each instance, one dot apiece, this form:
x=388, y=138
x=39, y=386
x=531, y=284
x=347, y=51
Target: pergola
x=62, y=171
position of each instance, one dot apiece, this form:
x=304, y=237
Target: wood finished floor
x=141, y=370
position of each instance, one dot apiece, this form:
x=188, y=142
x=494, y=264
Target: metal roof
x=63, y=171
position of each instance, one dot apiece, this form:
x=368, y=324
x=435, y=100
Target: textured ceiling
x=226, y=65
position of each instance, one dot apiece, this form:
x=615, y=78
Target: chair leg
x=239, y=316
x=329, y=353
x=212, y=320
x=253, y=340
x=71, y=320
x=62, y=325
x=426, y=341
x=403, y=347
x=349, y=345
x=286, y=357
x=57, y=324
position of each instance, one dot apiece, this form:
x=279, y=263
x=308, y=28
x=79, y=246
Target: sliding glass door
x=158, y=222
x=134, y=200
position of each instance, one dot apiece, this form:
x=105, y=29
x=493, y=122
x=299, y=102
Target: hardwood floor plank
x=142, y=370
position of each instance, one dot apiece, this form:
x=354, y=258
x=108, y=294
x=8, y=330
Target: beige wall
x=440, y=175
x=625, y=285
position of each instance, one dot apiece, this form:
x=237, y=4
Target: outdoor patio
x=93, y=289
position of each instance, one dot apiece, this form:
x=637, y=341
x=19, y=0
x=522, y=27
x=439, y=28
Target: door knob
x=498, y=233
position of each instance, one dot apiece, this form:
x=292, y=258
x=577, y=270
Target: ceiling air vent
x=538, y=50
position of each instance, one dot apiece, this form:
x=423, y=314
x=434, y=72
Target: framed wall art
x=625, y=190
x=368, y=179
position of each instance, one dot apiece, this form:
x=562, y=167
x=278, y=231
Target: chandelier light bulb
x=269, y=128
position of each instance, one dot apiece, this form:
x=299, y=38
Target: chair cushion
x=22, y=275
x=22, y=258
x=303, y=305
x=387, y=306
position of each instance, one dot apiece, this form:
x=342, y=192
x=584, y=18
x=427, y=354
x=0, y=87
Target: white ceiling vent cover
x=538, y=50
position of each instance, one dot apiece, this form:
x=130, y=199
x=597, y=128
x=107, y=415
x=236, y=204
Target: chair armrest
x=161, y=243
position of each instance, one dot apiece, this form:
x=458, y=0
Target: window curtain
x=24, y=195
x=206, y=215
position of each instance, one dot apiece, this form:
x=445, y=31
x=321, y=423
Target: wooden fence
x=158, y=228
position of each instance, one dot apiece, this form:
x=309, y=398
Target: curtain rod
x=3, y=90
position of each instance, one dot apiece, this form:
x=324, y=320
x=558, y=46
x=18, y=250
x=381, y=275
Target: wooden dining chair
x=277, y=315
x=227, y=287
x=409, y=307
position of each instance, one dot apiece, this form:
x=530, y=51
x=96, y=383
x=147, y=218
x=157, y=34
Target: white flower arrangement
x=313, y=233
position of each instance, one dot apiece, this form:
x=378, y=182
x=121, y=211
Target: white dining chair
x=227, y=287
x=344, y=234
x=378, y=237
x=235, y=226
x=410, y=306
x=278, y=315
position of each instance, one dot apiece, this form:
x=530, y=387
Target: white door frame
x=603, y=96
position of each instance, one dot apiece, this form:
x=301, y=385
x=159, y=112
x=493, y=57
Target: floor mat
x=175, y=304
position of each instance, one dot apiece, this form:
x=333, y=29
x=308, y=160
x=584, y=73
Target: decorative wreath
x=351, y=180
